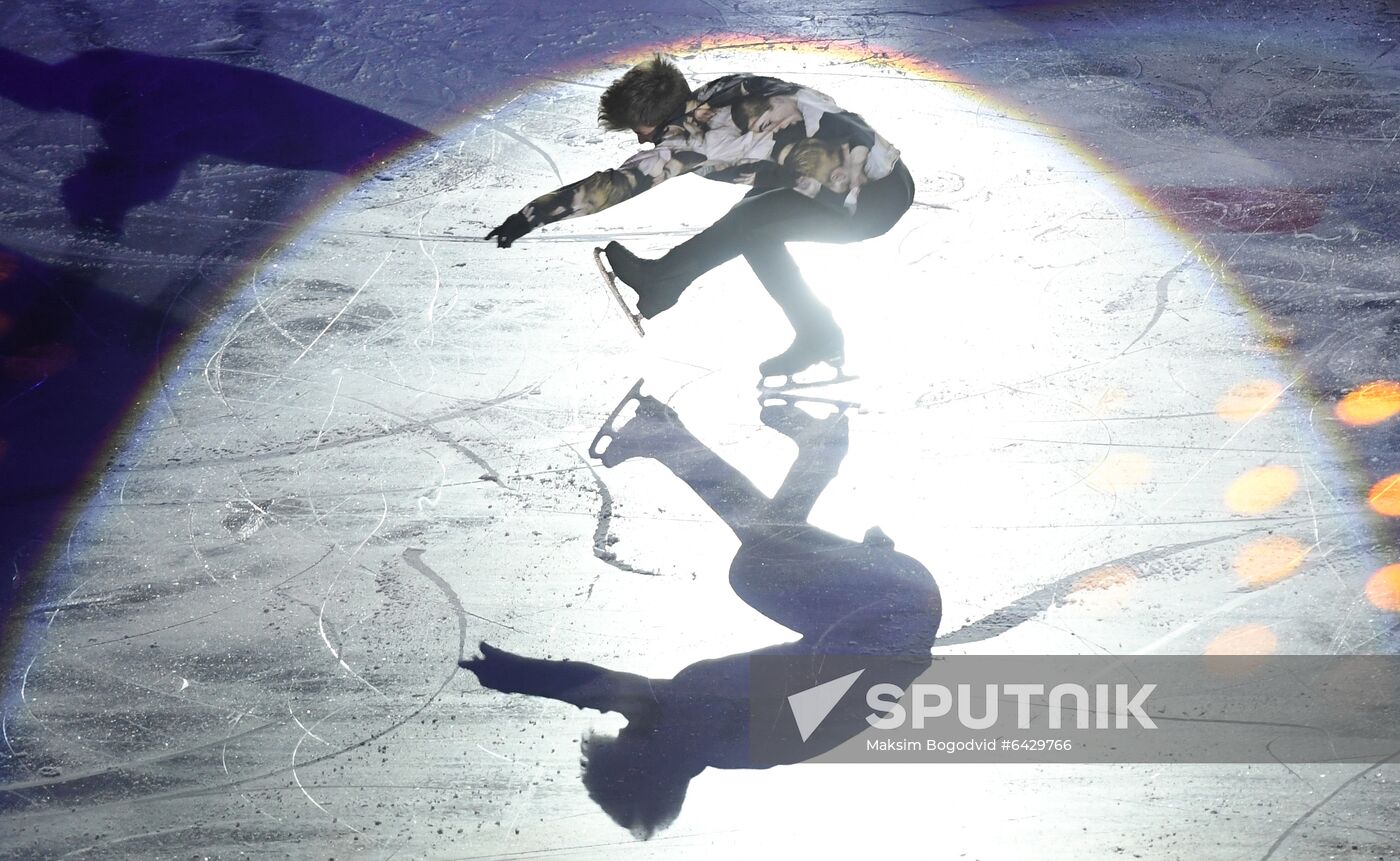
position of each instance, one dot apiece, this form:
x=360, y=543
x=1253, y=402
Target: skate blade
x=791, y=385
x=607, y=431
x=611, y=281
x=785, y=396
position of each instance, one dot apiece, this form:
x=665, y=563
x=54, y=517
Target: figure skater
x=819, y=174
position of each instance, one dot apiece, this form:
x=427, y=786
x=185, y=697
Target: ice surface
x=1151, y=248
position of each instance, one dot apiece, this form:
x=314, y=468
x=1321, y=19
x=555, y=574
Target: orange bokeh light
x=1106, y=577
x=1244, y=640
x=1269, y=560
x=1383, y=589
x=1371, y=404
x=1260, y=490
x=1120, y=471
x=1248, y=400
x=39, y=363
x=1104, y=589
x=1385, y=496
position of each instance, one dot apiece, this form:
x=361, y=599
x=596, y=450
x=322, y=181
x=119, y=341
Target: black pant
x=760, y=226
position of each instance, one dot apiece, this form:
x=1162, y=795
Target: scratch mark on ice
x=321, y=614
x=342, y=311
x=1162, y=284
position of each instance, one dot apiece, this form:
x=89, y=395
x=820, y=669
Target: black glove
x=514, y=227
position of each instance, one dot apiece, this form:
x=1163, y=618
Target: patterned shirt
x=745, y=129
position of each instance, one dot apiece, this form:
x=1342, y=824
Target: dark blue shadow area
x=73, y=355
x=157, y=114
x=68, y=372
x=847, y=600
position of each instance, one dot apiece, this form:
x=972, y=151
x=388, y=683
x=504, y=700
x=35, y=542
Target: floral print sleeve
x=745, y=129
x=605, y=188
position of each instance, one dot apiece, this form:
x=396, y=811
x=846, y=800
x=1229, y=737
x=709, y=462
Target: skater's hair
x=747, y=109
x=649, y=94
x=637, y=790
x=814, y=157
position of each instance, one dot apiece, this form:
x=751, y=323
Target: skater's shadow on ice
x=848, y=600
x=70, y=356
x=157, y=114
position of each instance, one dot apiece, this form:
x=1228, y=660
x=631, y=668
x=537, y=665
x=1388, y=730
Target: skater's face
x=822, y=161
x=782, y=112
x=644, y=133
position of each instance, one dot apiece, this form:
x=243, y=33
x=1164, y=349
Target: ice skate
x=611, y=281
x=805, y=353
x=656, y=289
x=781, y=413
x=623, y=442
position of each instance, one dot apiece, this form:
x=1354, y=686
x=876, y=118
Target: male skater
x=819, y=174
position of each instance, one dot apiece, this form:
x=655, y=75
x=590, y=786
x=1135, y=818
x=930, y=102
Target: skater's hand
x=499, y=670
x=514, y=227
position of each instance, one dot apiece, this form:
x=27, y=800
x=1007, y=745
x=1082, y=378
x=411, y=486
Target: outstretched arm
x=586, y=686
x=645, y=170
x=35, y=84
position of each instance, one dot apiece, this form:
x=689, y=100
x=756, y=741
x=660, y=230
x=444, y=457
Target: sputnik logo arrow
x=810, y=707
